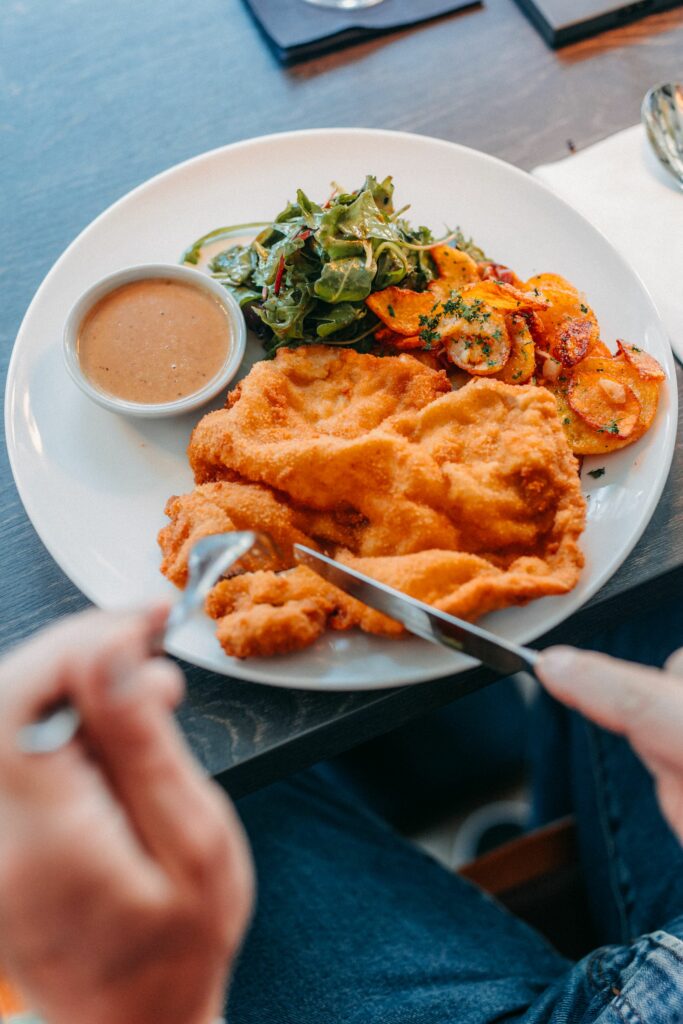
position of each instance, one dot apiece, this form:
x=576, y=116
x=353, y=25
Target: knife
x=422, y=619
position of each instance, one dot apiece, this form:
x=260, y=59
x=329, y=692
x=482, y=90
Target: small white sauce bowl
x=168, y=271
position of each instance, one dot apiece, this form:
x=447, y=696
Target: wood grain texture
x=96, y=97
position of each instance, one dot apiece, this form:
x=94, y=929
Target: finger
x=180, y=818
x=642, y=703
x=61, y=663
x=52, y=666
x=674, y=662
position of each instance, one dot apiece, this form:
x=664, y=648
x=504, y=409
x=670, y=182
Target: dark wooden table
x=98, y=96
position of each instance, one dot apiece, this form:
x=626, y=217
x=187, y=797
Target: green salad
x=305, y=276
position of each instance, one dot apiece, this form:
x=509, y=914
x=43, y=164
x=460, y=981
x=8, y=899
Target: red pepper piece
x=278, y=275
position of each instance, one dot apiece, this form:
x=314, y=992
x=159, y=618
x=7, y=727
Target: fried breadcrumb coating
x=468, y=500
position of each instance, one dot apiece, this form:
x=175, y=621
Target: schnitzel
x=469, y=500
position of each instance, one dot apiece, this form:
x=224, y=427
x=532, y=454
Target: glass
x=344, y=5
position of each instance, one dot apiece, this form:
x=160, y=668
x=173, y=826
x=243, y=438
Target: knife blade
x=422, y=619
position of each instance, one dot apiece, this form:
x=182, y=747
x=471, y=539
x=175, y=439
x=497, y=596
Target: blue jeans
x=356, y=926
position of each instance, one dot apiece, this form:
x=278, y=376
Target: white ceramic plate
x=95, y=484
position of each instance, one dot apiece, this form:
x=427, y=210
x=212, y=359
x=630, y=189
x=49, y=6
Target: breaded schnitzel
x=469, y=500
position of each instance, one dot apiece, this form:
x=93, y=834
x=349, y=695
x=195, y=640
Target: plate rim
x=245, y=673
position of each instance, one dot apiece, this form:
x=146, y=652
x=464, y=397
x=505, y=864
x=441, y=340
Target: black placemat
x=297, y=30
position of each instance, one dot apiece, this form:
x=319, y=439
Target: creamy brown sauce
x=154, y=340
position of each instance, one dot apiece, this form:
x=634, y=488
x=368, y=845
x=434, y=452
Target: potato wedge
x=645, y=365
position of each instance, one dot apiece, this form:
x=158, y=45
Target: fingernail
x=559, y=663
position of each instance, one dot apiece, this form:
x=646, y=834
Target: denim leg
x=443, y=760
x=356, y=926
x=632, y=862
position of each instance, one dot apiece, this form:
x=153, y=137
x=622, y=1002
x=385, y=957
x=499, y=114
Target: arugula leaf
x=310, y=211
x=347, y=280
x=234, y=266
x=336, y=318
x=305, y=276
x=467, y=245
x=244, y=295
x=362, y=219
x=392, y=265
x=382, y=193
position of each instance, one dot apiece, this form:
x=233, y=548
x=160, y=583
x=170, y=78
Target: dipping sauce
x=154, y=340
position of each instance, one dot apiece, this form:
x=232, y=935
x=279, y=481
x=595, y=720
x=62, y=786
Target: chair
x=538, y=878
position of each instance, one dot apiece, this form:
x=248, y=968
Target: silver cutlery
x=422, y=619
x=662, y=115
x=212, y=557
x=209, y=560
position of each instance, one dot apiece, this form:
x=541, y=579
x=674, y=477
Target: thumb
x=641, y=703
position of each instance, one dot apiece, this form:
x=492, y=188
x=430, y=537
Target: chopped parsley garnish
x=584, y=309
x=392, y=312
x=597, y=473
x=429, y=332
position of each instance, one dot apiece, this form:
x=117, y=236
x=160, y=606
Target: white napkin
x=619, y=186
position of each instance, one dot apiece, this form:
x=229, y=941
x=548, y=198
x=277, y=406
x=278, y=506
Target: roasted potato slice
x=598, y=348
x=607, y=405
x=481, y=346
x=568, y=328
x=405, y=343
x=572, y=341
x=646, y=366
x=455, y=268
x=503, y=297
x=400, y=309
x=521, y=363
x=584, y=439
x=499, y=272
x=549, y=282
x=385, y=336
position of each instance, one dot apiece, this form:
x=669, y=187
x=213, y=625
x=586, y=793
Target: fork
x=209, y=560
